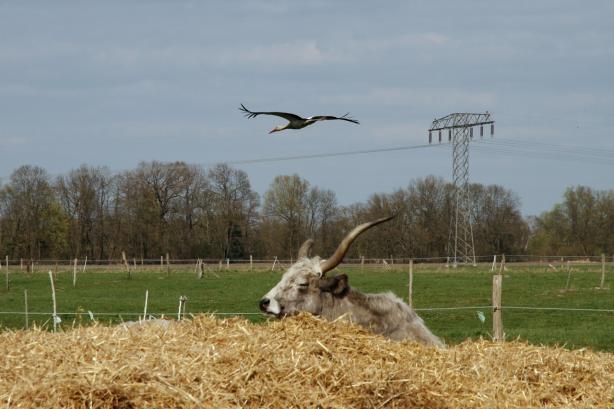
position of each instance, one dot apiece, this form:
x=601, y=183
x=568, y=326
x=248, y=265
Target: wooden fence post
x=125, y=262
x=200, y=269
x=497, y=323
x=251, y=263
x=227, y=264
x=161, y=262
x=168, y=264
x=274, y=262
x=494, y=263
x=568, y=276
x=410, y=294
x=84, y=264
x=602, y=271
x=362, y=263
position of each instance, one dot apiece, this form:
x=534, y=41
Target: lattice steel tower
x=460, y=132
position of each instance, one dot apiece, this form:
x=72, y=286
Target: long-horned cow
x=305, y=287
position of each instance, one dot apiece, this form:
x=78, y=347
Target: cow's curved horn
x=305, y=248
x=345, y=244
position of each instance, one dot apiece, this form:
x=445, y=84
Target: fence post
x=145, y=309
x=125, y=261
x=55, y=315
x=25, y=297
x=410, y=294
x=497, y=324
x=7, y=274
x=182, y=301
x=494, y=263
x=168, y=264
x=362, y=263
x=274, y=262
x=200, y=269
x=602, y=271
x=227, y=264
x=74, y=273
x=568, y=277
x=251, y=263
x=84, y=264
x=161, y=262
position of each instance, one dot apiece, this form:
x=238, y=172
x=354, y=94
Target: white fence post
x=182, y=301
x=145, y=309
x=601, y=286
x=25, y=298
x=74, y=273
x=54, y=317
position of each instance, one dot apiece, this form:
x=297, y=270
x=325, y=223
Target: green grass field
x=238, y=292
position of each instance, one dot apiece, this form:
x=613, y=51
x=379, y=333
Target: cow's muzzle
x=264, y=304
x=271, y=308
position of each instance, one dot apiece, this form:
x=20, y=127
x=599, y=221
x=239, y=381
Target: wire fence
x=490, y=312
x=165, y=263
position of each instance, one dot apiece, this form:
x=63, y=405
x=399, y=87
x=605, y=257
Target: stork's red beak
x=273, y=130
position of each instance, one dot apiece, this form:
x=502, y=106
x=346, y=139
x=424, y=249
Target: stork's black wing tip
x=347, y=117
x=247, y=112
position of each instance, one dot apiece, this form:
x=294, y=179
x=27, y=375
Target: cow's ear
x=337, y=285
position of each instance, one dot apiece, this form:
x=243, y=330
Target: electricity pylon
x=460, y=132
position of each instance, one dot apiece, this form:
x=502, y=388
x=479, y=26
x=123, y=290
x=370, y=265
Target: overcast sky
x=114, y=83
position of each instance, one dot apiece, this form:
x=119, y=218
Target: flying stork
x=295, y=121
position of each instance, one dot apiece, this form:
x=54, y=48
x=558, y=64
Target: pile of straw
x=296, y=362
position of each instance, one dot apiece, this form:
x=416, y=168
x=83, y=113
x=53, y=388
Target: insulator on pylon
x=481, y=131
x=449, y=135
x=471, y=132
x=492, y=129
x=430, y=137
x=440, y=136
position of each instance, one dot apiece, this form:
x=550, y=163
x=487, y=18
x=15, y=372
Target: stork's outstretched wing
x=345, y=117
x=285, y=115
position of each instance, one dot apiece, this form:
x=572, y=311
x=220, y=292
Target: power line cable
x=503, y=146
x=324, y=155
x=548, y=151
x=550, y=147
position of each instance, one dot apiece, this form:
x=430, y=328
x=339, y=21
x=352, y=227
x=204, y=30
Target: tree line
x=188, y=211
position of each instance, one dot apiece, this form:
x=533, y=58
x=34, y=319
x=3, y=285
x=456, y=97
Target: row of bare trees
x=188, y=211
x=583, y=224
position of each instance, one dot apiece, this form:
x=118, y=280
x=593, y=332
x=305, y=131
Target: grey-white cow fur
x=304, y=287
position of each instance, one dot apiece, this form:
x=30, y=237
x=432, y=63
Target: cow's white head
x=305, y=287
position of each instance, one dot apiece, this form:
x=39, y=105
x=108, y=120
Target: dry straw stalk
x=296, y=362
